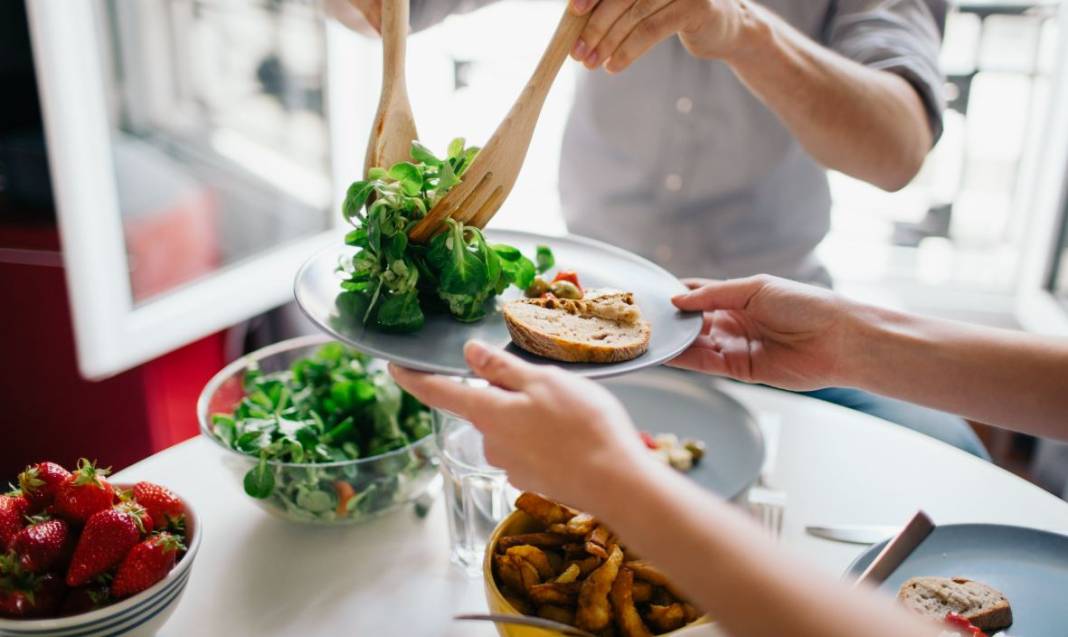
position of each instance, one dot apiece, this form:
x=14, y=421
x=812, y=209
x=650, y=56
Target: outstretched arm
x=857, y=118
x=569, y=438
x=769, y=330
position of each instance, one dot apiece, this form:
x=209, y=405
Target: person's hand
x=553, y=432
x=764, y=329
x=362, y=16
x=621, y=31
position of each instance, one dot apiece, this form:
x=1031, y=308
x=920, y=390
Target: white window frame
x=112, y=333
x=1037, y=308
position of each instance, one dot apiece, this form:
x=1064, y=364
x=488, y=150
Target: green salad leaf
x=326, y=408
x=390, y=283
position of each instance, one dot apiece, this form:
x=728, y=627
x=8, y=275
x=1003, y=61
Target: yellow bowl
x=516, y=523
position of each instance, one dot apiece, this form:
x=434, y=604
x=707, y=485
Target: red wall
x=47, y=411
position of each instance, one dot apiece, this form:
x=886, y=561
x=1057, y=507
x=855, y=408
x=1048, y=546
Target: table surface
x=258, y=575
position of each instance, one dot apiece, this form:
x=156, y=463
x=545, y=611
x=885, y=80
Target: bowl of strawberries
x=82, y=556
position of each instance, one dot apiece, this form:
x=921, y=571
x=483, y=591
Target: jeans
x=939, y=425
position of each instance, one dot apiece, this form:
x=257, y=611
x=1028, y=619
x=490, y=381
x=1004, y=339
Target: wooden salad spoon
x=394, y=126
x=492, y=174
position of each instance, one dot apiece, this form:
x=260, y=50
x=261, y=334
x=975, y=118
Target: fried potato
x=555, y=593
x=597, y=542
x=535, y=556
x=540, y=540
x=594, y=612
x=666, y=618
x=587, y=565
x=641, y=591
x=528, y=573
x=628, y=621
x=580, y=525
x=557, y=614
x=691, y=612
x=545, y=511
x=574, y=551
x=570, y=574
x=646, y=571
x=508, y=573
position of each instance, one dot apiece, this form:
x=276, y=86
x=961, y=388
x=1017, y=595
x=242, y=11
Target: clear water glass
x=477, y=494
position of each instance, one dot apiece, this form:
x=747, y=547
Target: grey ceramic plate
x=1029, y=566
x=438, y=347
x=687, y=404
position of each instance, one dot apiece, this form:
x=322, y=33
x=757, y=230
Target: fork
x=764, y=502
x=492, y=174
x=394, y=127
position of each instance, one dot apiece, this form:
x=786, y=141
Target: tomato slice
x=647, y=438
x=568, y=275
x=958, y=621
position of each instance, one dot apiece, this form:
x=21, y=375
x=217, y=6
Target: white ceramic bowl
x=139, y=616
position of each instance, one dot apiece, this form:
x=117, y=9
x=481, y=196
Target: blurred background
x=203, y=145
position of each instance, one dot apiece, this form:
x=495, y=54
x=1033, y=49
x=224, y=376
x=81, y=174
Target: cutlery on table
x=526, y=620
x=897, y=550
x=853, y=533
x=492, y=174
x=394, y=126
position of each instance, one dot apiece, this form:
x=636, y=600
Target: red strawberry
x=24, y=594
x=83, y=493
x=163, y=505
x=85, y=599
x=107, y=538
x=40, y=482
x=147, y=563
x=13, y=509
x=42, y=545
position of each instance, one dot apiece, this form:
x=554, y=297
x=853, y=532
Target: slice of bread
x=602, y=327
x=985, y=607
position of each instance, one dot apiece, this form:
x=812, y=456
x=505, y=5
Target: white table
x=257, y=575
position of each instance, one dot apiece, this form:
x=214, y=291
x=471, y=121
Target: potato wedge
x=595, y=612
x=545, y=511
x=535, y=556
x=666, y=618
x=555, y=593
x=557, y=614
x=540, y=540
x=628, y=621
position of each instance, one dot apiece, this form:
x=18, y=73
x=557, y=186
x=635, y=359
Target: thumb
x=733, y=294
x=497, y=366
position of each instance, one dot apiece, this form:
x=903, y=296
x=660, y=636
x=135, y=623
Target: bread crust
x=529, y=337
x=992, y=615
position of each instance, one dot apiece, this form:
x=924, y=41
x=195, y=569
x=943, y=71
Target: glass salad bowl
x=317, y=433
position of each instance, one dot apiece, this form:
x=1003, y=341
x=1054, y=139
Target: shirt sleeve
x=900, y=36
x=426, y=13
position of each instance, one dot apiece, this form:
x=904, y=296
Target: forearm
x=867, y=123
x=731, y=570
x=1001, y=377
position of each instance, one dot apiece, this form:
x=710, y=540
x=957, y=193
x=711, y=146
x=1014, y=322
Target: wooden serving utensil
x=897, y=550
x=491, y=176
x=394, y=126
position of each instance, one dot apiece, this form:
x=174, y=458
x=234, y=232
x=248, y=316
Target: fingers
x=631, y=18
x=626, y=43
x=470, y=403
x=601, y=20
x=582, y=7
x=733, y=294
x=695, y=282
x=705, y=356
x=499, y=367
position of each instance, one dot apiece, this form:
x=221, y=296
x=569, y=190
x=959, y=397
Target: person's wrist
x=756, y=34
x=863, y=332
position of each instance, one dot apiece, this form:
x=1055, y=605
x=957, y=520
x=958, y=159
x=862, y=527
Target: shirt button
x=673, y=182
x=684, y=105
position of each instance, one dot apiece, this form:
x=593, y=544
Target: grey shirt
x=676, y=160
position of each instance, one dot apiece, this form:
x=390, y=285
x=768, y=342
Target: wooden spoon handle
x=394, y=39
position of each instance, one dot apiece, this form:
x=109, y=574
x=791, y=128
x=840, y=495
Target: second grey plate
x=1028, y=565
x=438, y=347
x=687, y=404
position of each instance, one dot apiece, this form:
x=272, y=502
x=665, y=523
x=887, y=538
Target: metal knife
x=853, y=533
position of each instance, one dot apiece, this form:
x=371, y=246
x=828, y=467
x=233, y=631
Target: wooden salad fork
x=394, y=127
x=492, y=174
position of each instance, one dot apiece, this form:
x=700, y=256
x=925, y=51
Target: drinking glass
x=477, y=494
